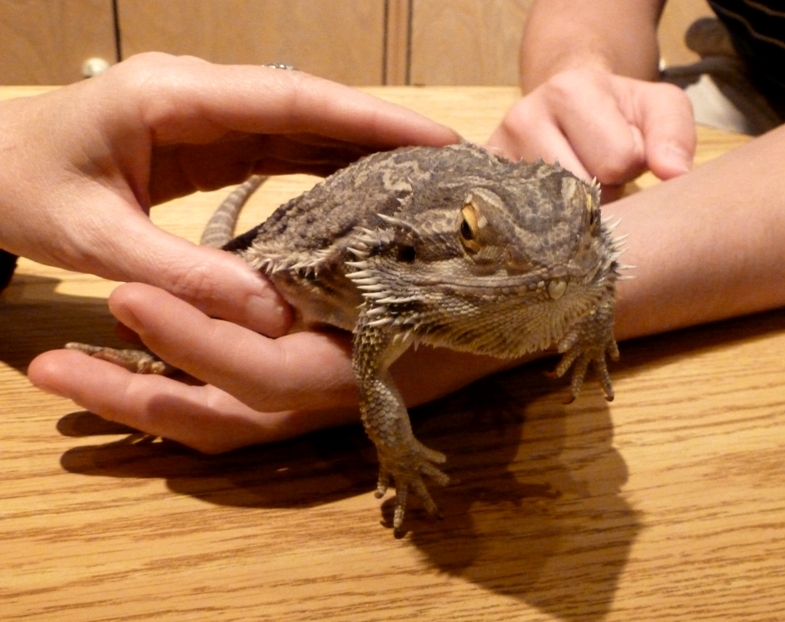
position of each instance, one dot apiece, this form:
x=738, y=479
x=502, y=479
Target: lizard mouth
x=508, y=330
x=552, y=288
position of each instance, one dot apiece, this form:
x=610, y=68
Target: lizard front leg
x=589, y=342
x=402, y=458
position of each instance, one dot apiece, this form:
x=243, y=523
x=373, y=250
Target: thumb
x=216, y=282
x=668, y=127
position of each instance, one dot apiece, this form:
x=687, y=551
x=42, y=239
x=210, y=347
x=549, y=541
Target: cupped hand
x=83, y=165
x=597, y=124
x=255, y=390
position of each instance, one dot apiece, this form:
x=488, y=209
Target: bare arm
x=586, y=72
x=707, y=245
x=615, y=36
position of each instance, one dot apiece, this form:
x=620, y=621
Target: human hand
x=83, y=165
x=256, y=389
x=601, y=125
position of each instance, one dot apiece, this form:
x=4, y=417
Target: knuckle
x=197, y=283
x=158, y=84
x=563, y=87
x=671, y=91
x=671, y=98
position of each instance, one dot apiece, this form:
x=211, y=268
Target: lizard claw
x=588, y=343
x=408, y=473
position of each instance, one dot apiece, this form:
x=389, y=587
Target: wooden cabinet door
x=475, y=42
x=48, y=41
x=361, y=42
x=469, y=42
x=338, y=39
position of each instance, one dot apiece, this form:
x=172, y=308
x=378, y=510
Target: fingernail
x=268, y=314
x=677, y=157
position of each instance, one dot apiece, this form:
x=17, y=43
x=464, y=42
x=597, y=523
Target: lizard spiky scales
x=450, y=247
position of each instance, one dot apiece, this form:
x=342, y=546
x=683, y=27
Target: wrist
x=535, y=73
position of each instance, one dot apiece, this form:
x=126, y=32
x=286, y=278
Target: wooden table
x=668, y=504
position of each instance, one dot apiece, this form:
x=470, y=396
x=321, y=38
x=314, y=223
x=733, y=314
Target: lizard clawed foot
x=407, y=472
x=581, y=357
x=137, y=361
x=588, y=343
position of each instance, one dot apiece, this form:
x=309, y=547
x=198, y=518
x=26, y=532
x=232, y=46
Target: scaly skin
x=450, y=247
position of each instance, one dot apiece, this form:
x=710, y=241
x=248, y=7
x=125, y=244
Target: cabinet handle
x=94, y=67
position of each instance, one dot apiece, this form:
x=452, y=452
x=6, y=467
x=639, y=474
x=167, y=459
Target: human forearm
x=602, y=34
x=706, y=246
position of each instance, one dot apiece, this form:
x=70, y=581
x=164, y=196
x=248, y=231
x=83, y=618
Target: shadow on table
x=34, y=318
x=534, y=510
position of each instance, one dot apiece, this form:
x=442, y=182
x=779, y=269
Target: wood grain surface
x=668, y=504
x=363, y=42
x=341, y=40
x=45, y=42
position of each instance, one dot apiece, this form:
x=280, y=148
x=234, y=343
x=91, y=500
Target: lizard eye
x=470, y=228
x=406, y=254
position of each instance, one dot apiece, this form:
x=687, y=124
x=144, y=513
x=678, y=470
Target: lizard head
x=549, y=225
x=520, y=243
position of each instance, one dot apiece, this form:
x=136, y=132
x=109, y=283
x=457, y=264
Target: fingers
x=257, y=389
x=210, y=125
x=529, y=131
x=600, y=125
x=301, y=371
x=202, y=417
x=668, y=126
x=589, y=111
x=178, y=170
x=575, y=119
x=217, y=282
x=208, y=99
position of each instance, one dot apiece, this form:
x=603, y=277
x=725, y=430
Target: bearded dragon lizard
x=450, y=247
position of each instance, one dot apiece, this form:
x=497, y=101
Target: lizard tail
x=220, y=227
